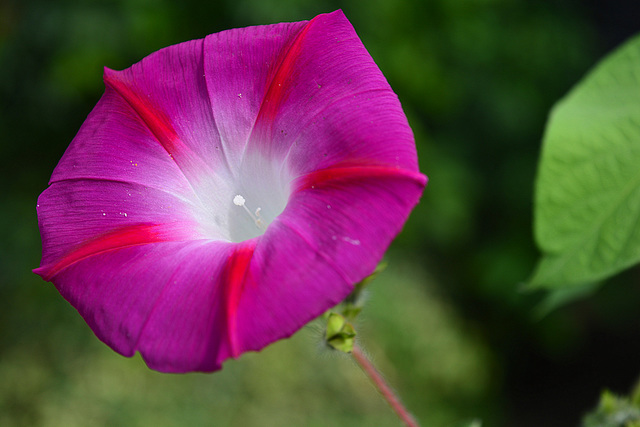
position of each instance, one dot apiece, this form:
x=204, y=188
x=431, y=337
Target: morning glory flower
x=226, y=191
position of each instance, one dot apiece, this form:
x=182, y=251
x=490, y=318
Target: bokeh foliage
x=477, y=79
x=615, y=411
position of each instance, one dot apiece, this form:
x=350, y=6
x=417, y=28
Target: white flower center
x=238, y=200
x=240, y=204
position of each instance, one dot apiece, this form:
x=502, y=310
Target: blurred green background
x=446, y=322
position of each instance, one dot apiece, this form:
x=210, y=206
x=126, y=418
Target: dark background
x=477, y=79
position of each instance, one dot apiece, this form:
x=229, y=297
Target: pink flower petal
x=329, y=103
x=226, y=191
x=153, y=111
x=240, y=66
x=72, y=213
x=164, y=299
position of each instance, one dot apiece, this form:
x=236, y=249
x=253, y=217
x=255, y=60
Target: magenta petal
x=239, y=67
x=165, y=299
x=333, y=233
x=74, y=212
x=166, y=92
x=224, y=192
x=331, y=104
x=152, y=125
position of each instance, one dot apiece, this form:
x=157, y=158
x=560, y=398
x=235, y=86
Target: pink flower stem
x=382, y=386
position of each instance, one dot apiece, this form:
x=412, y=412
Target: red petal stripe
x=235, y=280
x=139, y=234
x=324, y=176
x=155, y=119
x=278, y=84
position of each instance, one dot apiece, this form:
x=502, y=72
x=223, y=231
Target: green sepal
x=352, y=305
x=355, y=296
x=340, y=334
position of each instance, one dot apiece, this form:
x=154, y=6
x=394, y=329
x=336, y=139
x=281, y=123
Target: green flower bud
x=340, y=334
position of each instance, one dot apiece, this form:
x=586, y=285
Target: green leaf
x=559, y=297
x=587, y=203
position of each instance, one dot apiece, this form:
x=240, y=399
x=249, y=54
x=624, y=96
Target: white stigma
x=238, y=200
